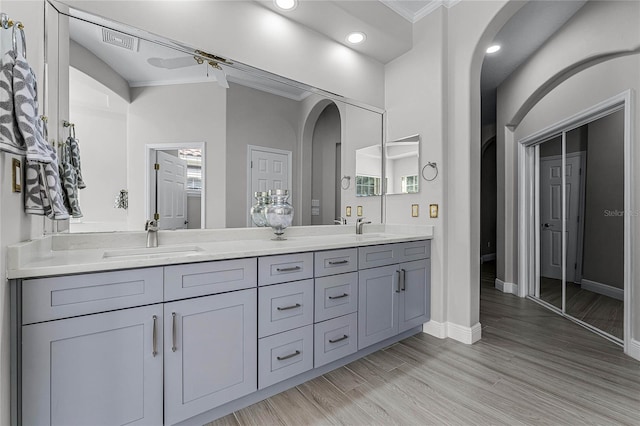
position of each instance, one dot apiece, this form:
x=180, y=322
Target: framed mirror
x=134, y=98
x=402, y=165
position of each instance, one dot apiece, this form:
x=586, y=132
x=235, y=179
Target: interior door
x=171, y=200
x=269, y=169
x=551, y=217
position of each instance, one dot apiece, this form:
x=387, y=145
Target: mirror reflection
x=369, y=171
x=401, y=165
x=190, y=140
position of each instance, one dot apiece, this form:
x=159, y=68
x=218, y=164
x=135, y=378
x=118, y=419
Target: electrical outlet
x=414, y=210
x=348, y=211
x=359, y=210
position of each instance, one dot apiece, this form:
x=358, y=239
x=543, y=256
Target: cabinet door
x=377, y=304
x=210, y=352
x=94, y=370
x=414, y=305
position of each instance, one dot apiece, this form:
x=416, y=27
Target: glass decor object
x=259, y=209
x=279, y=212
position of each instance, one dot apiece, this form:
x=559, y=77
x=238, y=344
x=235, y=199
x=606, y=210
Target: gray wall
x=489, y=199
x=604, y=233
x=255, y=118
x=323, y=181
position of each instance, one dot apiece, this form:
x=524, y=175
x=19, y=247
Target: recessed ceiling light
x=493, y=49
x=286, y=4
x=356, y=38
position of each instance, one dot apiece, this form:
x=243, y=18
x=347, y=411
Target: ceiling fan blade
x=173, y=63
x=220, y=76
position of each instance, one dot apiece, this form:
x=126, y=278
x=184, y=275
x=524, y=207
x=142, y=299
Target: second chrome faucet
x=359, y=224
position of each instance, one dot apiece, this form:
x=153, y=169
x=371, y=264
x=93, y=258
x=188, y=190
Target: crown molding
x=415, y=16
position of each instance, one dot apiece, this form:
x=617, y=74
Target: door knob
x=546, y=225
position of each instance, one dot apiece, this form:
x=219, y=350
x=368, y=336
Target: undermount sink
x=152, y=252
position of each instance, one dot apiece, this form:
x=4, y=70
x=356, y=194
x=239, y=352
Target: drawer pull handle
x=291, y=269
x=338, y=262
x=173, y=332
x=282, y=358
x=338, y=297
x=339, y=339
x=286, y=308
x=154, y=350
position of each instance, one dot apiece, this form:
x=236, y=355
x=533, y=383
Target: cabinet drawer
x=45, y=299
x=201, y=279
x=284, y=355
x=335, y=339
x=336, y=262
x=414, y=250
x=284, y=306
x=381, y=255
x=287, y=267
x=335, y=296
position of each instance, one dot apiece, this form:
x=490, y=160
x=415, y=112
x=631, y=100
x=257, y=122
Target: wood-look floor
x=600, y=311
x=531, y=367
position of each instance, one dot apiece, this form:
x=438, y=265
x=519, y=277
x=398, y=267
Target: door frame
x=150, y=178
x=250, y=149
x=527, y=191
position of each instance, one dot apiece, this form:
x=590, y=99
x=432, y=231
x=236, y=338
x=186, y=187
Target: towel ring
x=348, y=181
x=433, y=166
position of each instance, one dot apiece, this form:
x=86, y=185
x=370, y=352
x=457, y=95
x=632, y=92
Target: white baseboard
x=504, y=287
x=467, y=335
x=487, y=257
x=435, y=329
x=633, y=349
x=604, y=289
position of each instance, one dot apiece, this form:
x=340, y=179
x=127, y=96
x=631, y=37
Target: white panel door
x=269, y=170
x=551, y=214
x=551, y=218
x=172, y=191
x=102, y=369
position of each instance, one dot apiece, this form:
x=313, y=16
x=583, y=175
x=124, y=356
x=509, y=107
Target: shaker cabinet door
x=102, y=369
x=377, y=305
x=210, y=352
x=414, y=305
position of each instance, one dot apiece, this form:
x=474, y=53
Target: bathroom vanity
x=199, y=327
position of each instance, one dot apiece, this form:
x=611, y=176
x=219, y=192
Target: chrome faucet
x=151, y=226
x=359, y=224
x=341, y=221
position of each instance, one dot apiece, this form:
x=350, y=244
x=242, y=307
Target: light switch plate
x=414, y=210
x=433, y=211
x=348, y=212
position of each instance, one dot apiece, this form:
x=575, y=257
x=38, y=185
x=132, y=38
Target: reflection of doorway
x=268, y=168
x=575, y=176
x=326, y=148
x=175, y=187
x=551, y=214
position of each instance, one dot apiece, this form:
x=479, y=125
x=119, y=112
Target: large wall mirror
x=166, y=129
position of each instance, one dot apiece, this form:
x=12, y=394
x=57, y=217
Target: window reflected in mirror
x=402, y=161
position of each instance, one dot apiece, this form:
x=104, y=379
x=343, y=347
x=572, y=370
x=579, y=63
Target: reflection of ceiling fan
x=188, y=61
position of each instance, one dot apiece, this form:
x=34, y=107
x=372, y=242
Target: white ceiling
x=388, y=25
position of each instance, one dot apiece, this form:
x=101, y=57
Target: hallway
x=531, y=367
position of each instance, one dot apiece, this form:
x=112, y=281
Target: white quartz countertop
x=64, y=254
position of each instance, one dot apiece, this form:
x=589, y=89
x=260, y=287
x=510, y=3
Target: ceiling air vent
x=120, y=39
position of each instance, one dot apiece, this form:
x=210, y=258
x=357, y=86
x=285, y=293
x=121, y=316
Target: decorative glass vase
x=279, y=213
x=259, y=209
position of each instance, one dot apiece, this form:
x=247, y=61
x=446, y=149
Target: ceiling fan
x=188, y=61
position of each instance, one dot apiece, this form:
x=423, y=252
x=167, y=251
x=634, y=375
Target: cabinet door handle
x=397, y=281
x=339, y=339
x=282, y=358
x=402, y=280
x=286, y=308
x=338, y=297
x=173, y=332
x=338, y=262
x=154, y=350
x=291, y=269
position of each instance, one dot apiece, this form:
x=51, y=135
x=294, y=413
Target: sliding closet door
x=595, y=224
x=550, y=213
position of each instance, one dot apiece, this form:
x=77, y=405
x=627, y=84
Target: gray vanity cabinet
x=102, y=369
x=210, y=347
x=393, y=298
